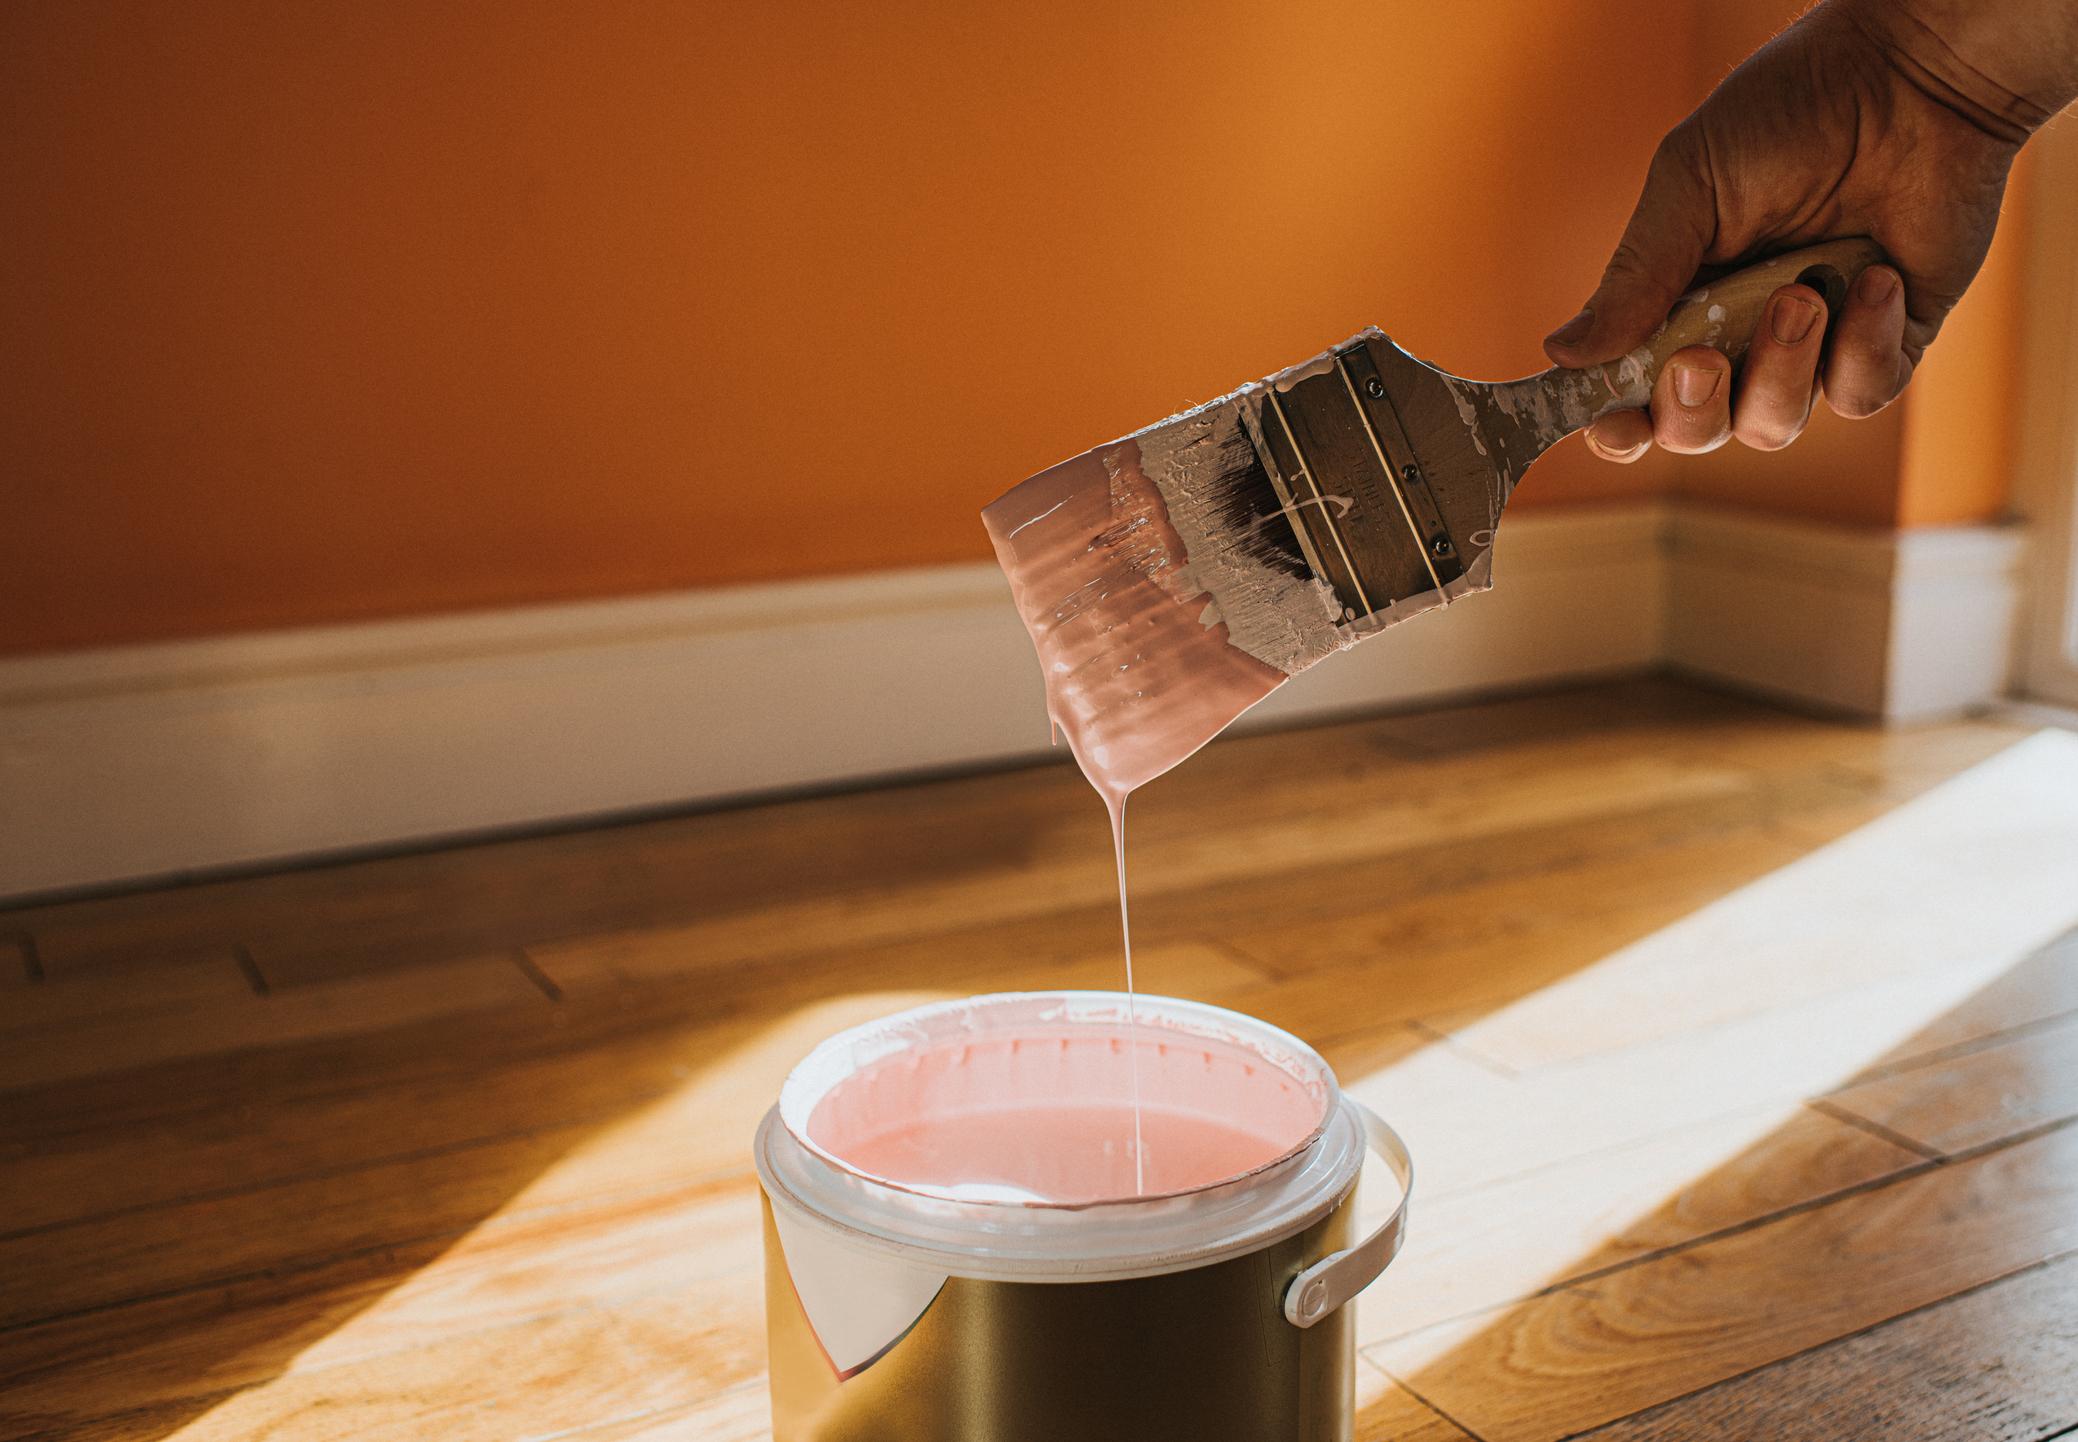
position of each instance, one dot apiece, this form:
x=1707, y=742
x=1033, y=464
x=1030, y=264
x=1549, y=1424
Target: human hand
x=1858, y=120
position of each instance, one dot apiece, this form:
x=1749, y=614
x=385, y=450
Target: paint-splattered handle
x=1723, y=314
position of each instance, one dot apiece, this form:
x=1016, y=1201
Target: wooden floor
x=1738, y=1053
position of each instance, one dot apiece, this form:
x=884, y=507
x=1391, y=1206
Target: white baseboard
x=152, y=761
x=1902, y=625
x=148, y=762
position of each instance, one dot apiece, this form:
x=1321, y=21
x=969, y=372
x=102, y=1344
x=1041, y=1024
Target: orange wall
x=329, y=312
x=1963, y=418
x=322, y=313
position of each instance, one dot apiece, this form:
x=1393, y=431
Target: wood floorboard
x=723, y=1074
x=226, y=1016
x=1388, y=1412
x=1599, y=1350
x=183, y=1347
x=108, y=995
x=1472, y=1251
x=473, y=1163
x=19, y=969
x=1997, y=844
x=1472, y=1126
x=2024, y=1081
x=1999, y=1364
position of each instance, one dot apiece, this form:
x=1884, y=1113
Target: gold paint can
x=941, y=1309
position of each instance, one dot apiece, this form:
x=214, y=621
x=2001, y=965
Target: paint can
x=1055, y=1280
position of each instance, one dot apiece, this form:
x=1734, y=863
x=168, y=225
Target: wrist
x=2005, y=68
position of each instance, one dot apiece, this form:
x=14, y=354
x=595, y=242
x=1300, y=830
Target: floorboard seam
x=1874, y=1128
x=1957, y=1050
x=1688, y=1244
x=1242, y=956
x=217, y=1194
x=2050, y=1261
x=1456, y=1048
x=1786, y=1106
x=32, y=960
x=2044, y=1129
x=1432, y=1406
x=550, y=1047
x=300, y=1266
x=531, y=969
x=254, y=977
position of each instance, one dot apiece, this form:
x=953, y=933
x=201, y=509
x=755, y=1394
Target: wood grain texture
x=152, y=1024
x=107, y=995
x=1595, y=1351
x=1959, y=1102
x=1998, y=844
x=420, y=1188
x=1472, y=1125
x=1388, y=1412
x=1993, y=1365
x=1474, y=1251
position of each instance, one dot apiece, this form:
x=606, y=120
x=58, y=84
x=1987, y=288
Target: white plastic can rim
x=850, y=1051
x=1101, y=1241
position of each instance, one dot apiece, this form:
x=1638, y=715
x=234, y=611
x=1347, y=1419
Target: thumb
x=1661, y=250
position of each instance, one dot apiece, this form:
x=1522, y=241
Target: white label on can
x=858, y=1304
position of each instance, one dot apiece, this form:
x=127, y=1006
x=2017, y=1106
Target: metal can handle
x=1336, y=1278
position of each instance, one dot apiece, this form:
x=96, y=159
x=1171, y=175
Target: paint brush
x=1172, y=579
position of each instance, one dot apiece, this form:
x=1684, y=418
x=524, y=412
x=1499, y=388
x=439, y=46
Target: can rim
x=1261, y=1217
x=1092, y=1242
x=815, y=1074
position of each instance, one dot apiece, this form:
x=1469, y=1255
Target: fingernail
x=1876, y=284
x=1792, y=319
x=1694, y=385
x=1574, y=331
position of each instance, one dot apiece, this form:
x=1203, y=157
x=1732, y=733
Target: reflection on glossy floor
x=1739, y=1053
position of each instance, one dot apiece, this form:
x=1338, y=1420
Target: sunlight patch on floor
x=1974, y=874
x=1635, y=1084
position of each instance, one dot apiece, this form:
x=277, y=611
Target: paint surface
x=1135, y=677
x=1047, y=1116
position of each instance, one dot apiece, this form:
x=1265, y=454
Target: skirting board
x=151, y=762
x=1902, y=625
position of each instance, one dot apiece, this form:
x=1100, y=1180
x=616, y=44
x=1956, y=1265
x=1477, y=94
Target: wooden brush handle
x=1724, y=314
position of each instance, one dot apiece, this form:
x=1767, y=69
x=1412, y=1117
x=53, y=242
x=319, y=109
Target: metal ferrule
x=1361, y=507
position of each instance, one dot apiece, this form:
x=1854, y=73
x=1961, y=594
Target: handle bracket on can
x=1335, y=1279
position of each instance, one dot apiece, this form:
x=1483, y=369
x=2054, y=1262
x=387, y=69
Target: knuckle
x=1628, y=263
x=1857, y=405
x=1771, y=403
x=1792, y=295
x=1686, y=438
x=1674, y=158
x=1863, y=380
x=1617, y=442
x=1759, y=436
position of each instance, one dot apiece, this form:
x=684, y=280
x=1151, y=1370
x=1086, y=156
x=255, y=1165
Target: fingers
x=1692, y=401
x=1691, y=411
x=1659, y=254
x=1696, y=405
x=1868, y=366
x=1780, y=377
x=1620, y=436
